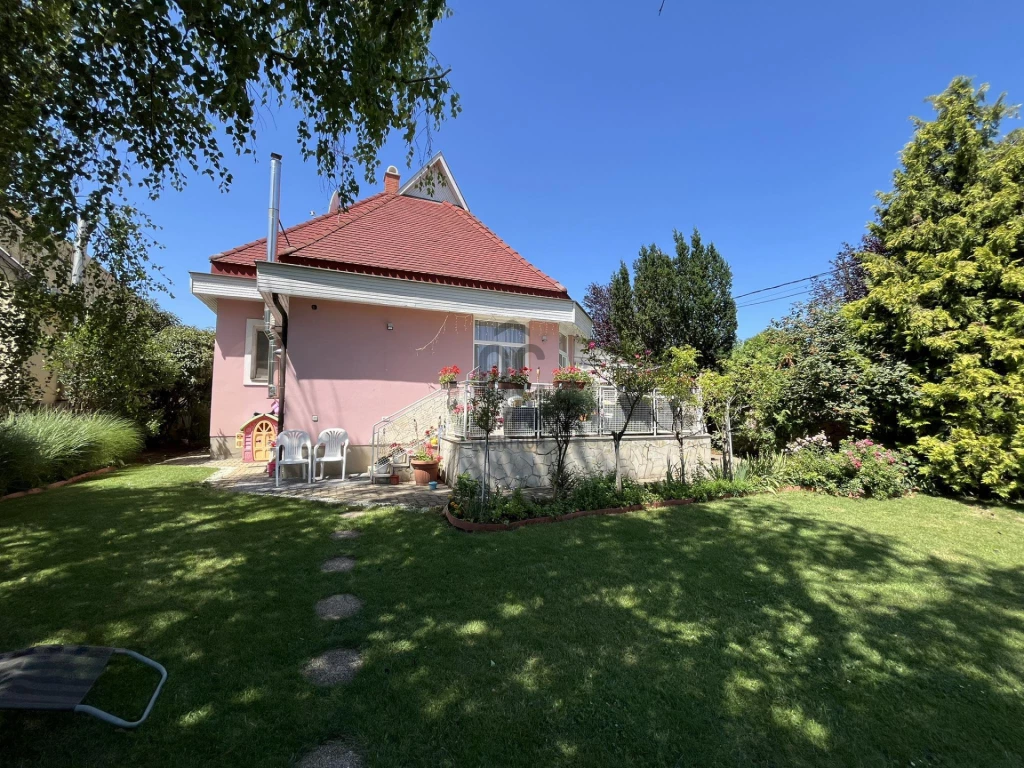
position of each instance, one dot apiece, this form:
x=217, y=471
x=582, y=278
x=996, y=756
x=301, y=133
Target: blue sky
x=590, y=128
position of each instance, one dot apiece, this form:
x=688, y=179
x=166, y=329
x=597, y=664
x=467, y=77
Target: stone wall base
x=528, y=463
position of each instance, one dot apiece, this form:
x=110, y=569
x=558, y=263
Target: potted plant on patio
x=570, y=377
x=448, y=376
x=426, y=460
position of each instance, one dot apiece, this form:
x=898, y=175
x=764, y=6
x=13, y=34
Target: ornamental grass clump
x=44, y=446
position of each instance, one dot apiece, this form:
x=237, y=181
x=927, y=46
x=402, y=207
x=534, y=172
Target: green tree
x=486, y=403
x=705, y=310
x=742, y=397
x=103, y=97
x=633, y=374
x=677, y=381
x=183, y=404
x=834, y=383
x=680, y=301
x=563, y=412
x=622, y=309
x=655, y=307
x=946, y=295
x=109, y=361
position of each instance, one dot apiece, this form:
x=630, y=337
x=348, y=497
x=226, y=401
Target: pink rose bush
x=858, y=469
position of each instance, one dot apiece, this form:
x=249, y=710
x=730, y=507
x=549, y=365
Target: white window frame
x=563, y=354
x=252, y=327
x=525, y=345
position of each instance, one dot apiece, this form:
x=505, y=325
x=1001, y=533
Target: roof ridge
x=295, y=227
x=489, y=232
x=364, y=210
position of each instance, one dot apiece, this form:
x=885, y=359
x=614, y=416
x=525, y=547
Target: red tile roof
x=405, y=237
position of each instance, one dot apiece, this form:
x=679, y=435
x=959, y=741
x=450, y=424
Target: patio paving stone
x=337, y=607
x=357, y=492
x=338, y=565
x=333, y=667
x=333, y=754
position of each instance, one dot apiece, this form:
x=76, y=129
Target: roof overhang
x=208, y=288
x=332, y=285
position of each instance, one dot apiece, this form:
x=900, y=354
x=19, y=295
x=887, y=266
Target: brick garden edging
x=58, y=484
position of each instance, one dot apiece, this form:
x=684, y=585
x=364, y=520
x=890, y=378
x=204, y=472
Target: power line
x=791, y=282
x=777, y=298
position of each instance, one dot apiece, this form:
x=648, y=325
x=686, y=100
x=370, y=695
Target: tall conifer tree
x=946, y=290
x=706, y=311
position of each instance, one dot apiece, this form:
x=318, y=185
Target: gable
x=434, y=181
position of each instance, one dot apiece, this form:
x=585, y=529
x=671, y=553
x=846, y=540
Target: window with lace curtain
x=500, y=344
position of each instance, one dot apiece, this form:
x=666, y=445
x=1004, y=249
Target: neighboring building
x=46, y=388
x=370, y=303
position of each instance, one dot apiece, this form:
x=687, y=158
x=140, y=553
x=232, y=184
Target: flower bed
x=858, y=469
x=587, y=496
x=471, y=527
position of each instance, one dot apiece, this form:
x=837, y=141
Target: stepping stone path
x=338, y=607
x=333, y=754
x=353, y=515
x=333, y=667
x=345, y=535
x=338, y=565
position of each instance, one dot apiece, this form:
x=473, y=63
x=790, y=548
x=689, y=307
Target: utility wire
x=768, y=301
x=791, y=282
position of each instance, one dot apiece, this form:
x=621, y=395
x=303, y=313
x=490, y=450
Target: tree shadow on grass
x=735, y=634
x=218, y=587
x=751, y=632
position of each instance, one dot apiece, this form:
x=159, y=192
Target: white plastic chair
x=289, y=453
x=335, y=445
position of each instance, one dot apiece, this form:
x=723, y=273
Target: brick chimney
x=391, y=180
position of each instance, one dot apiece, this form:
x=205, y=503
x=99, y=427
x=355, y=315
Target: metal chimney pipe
x=274, y=212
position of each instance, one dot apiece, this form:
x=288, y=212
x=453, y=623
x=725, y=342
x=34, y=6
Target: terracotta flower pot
x=394, y=479
x=424, y=471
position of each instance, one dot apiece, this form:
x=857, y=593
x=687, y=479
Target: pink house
x=360, y=309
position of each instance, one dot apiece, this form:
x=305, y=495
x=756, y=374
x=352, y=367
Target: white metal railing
x=522, y=413
x=398, y=435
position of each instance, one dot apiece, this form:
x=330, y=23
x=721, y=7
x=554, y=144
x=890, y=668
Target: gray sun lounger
x=58, y=677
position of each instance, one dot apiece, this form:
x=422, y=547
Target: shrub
x=763, y=472
x=705, y=488
x=562, y=414
x=48, y=445
x=598, y=492
x=859, y=468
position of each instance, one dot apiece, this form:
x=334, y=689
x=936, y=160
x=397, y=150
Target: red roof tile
x=404, y=237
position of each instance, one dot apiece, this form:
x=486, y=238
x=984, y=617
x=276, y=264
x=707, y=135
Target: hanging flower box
x=570, y=377
x=448, y=376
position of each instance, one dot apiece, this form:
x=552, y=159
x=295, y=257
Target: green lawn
x=772, y=631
